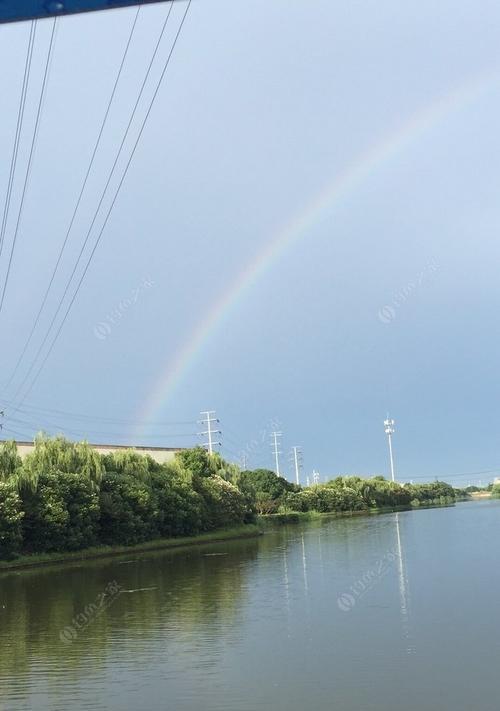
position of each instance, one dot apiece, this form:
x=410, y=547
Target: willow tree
x=10, y=461
x=130, y=463
x=58, y=454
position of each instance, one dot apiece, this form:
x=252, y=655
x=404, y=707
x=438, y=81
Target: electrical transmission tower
x=275, y=445
x=316, y=477
x=208, y=420
x=297, y=462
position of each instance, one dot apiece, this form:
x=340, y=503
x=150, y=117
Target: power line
x=79, y=200
x=110, y=420
x=30, y=160
x=155, y=94
x=14, y=432
x=96, y=213
x=85, y=433
x=19, y=125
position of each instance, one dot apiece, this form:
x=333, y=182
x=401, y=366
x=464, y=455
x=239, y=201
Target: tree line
x=65, y=496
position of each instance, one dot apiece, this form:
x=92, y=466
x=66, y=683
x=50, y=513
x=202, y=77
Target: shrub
x=128, y=510
x=46, y=516
x=225, y=504
x=179, y=507
x=10, y=521
x=82, y=505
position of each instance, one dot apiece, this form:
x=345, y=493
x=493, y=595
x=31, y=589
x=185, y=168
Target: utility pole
x=297, y=460
x=389, y=430
x=277, y=452
x=208, y=420
x=244, y=462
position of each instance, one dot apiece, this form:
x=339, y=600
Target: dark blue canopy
x=18, y=10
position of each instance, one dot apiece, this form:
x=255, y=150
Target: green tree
x=10, y=461
x=225, y=504
x=130, y=463
x=180, y=508
x=11, y=517
x=265, y=481
x=129, y=511
x=58, y=454
x=46, y=516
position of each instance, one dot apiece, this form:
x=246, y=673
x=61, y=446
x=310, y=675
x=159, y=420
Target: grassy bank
x=304, y=516
x=34, y=561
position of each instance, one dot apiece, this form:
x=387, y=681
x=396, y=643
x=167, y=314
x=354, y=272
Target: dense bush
x=436, y=492
x=128, y=510
x=46, y=516
x=61, y=514
x=11, y=517
x=355, y=494
x=179, y=507
x=224, y=503
x=265, y=488
x=82, y=505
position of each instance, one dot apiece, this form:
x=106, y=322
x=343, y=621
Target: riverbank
x=35, y=561
x=304, y=516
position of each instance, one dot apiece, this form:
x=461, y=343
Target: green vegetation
x=65, y=497
x=356, y=494
x=495, y=490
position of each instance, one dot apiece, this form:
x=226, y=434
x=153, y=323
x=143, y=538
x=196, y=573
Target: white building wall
x=159, y=454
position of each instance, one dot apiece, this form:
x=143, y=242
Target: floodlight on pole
x=389, y=430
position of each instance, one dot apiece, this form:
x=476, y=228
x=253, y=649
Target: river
x=375, y=613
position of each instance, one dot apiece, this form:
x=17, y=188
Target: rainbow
x=342, y=186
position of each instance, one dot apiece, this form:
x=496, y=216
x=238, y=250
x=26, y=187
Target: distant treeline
x=65, y=496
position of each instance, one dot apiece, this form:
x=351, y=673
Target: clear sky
x=386, y=301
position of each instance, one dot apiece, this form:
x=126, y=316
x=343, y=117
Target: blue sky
x=264, y=104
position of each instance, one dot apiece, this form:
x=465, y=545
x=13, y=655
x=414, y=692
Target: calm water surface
x=399, y=611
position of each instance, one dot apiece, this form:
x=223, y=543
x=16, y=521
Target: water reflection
x=183, y=596
x=253, y=625
x=404, y=588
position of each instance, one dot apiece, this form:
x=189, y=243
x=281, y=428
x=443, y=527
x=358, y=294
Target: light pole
x=389, y=430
